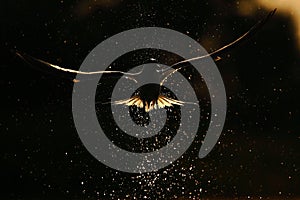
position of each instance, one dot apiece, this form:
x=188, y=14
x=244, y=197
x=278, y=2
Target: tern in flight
x=150, y=98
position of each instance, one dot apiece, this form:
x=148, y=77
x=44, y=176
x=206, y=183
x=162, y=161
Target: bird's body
x=149, y=97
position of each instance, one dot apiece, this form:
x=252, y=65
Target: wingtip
x=273, y=12
x=17, y=52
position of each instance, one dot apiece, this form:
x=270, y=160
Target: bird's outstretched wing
x=216, y=54
x=29, y=58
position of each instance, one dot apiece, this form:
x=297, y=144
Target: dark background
x=42, y=156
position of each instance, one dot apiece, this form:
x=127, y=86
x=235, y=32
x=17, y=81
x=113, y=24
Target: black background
x=42, y=156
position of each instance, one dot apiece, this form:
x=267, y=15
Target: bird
x=150, y=96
